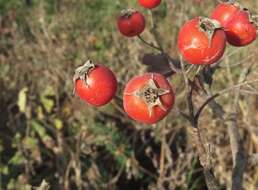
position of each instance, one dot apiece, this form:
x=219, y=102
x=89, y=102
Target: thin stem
x=149, y=44
x=154, y=30
x=242, y=91
x=254, y=53
x=236, y=86
x=197, y=115
x=162, y=154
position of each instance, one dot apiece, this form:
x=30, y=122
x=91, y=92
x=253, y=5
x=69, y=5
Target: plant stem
x=149, y=44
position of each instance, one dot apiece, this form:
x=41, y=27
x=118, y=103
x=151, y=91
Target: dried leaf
x=157, y=63
x=22, y=99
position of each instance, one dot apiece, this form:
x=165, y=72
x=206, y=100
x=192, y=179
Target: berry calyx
x=208, y=26
x=150, y=93
x=94, y=84
x=148, y=98
x=82, y=72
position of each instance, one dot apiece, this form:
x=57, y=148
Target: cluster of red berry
x=203, y=40
x=149, y=98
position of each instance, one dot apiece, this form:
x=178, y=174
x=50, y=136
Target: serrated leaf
x=22, y=99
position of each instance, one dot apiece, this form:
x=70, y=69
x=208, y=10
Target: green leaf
x=45, y=99
x=38, y=128
x=15, y=184
x=22, y=99
x=4, y=170
x=31, y=142
x=16, y=140
x=58, y=124
x=17, y=159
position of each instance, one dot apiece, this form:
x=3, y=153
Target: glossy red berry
x=241, y=30
x=148, y=98
x=201, y=41
x=149, y=4
x=131, y=23
x=224, y=12
x=94, y=84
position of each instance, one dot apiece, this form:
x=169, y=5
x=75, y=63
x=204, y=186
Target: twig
x=242, y=91
x=233, y=87
x=154, y=30
x=254, y=53
x=238, y=154
x=173, y=66
x=193, y=118
x=237, y=149
x=149, y=44
x=197, y=115
x=163, y=149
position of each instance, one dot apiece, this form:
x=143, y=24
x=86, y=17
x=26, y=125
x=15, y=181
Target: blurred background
x=48, y=134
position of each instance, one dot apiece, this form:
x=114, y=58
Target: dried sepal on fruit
x=225, y=10
x=241, y=30
x=150, y=94
x=94, y=83
x=148, y=98
x=208, y=26
x=82, y=73
x=201, y=41
x=239, y=24
x=127, y=13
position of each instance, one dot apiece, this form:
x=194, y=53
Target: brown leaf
x=159, y=63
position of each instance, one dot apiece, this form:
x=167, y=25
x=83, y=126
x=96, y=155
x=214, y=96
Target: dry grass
x=74, y=146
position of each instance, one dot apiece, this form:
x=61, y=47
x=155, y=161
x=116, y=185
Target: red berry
x=149, y=4
x=148, y=98
x=224, y=12
x=131, y=23
x=95, y=84
x=240, y=30
x=201, y=41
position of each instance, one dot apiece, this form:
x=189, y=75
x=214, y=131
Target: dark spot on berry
x=131, y=32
